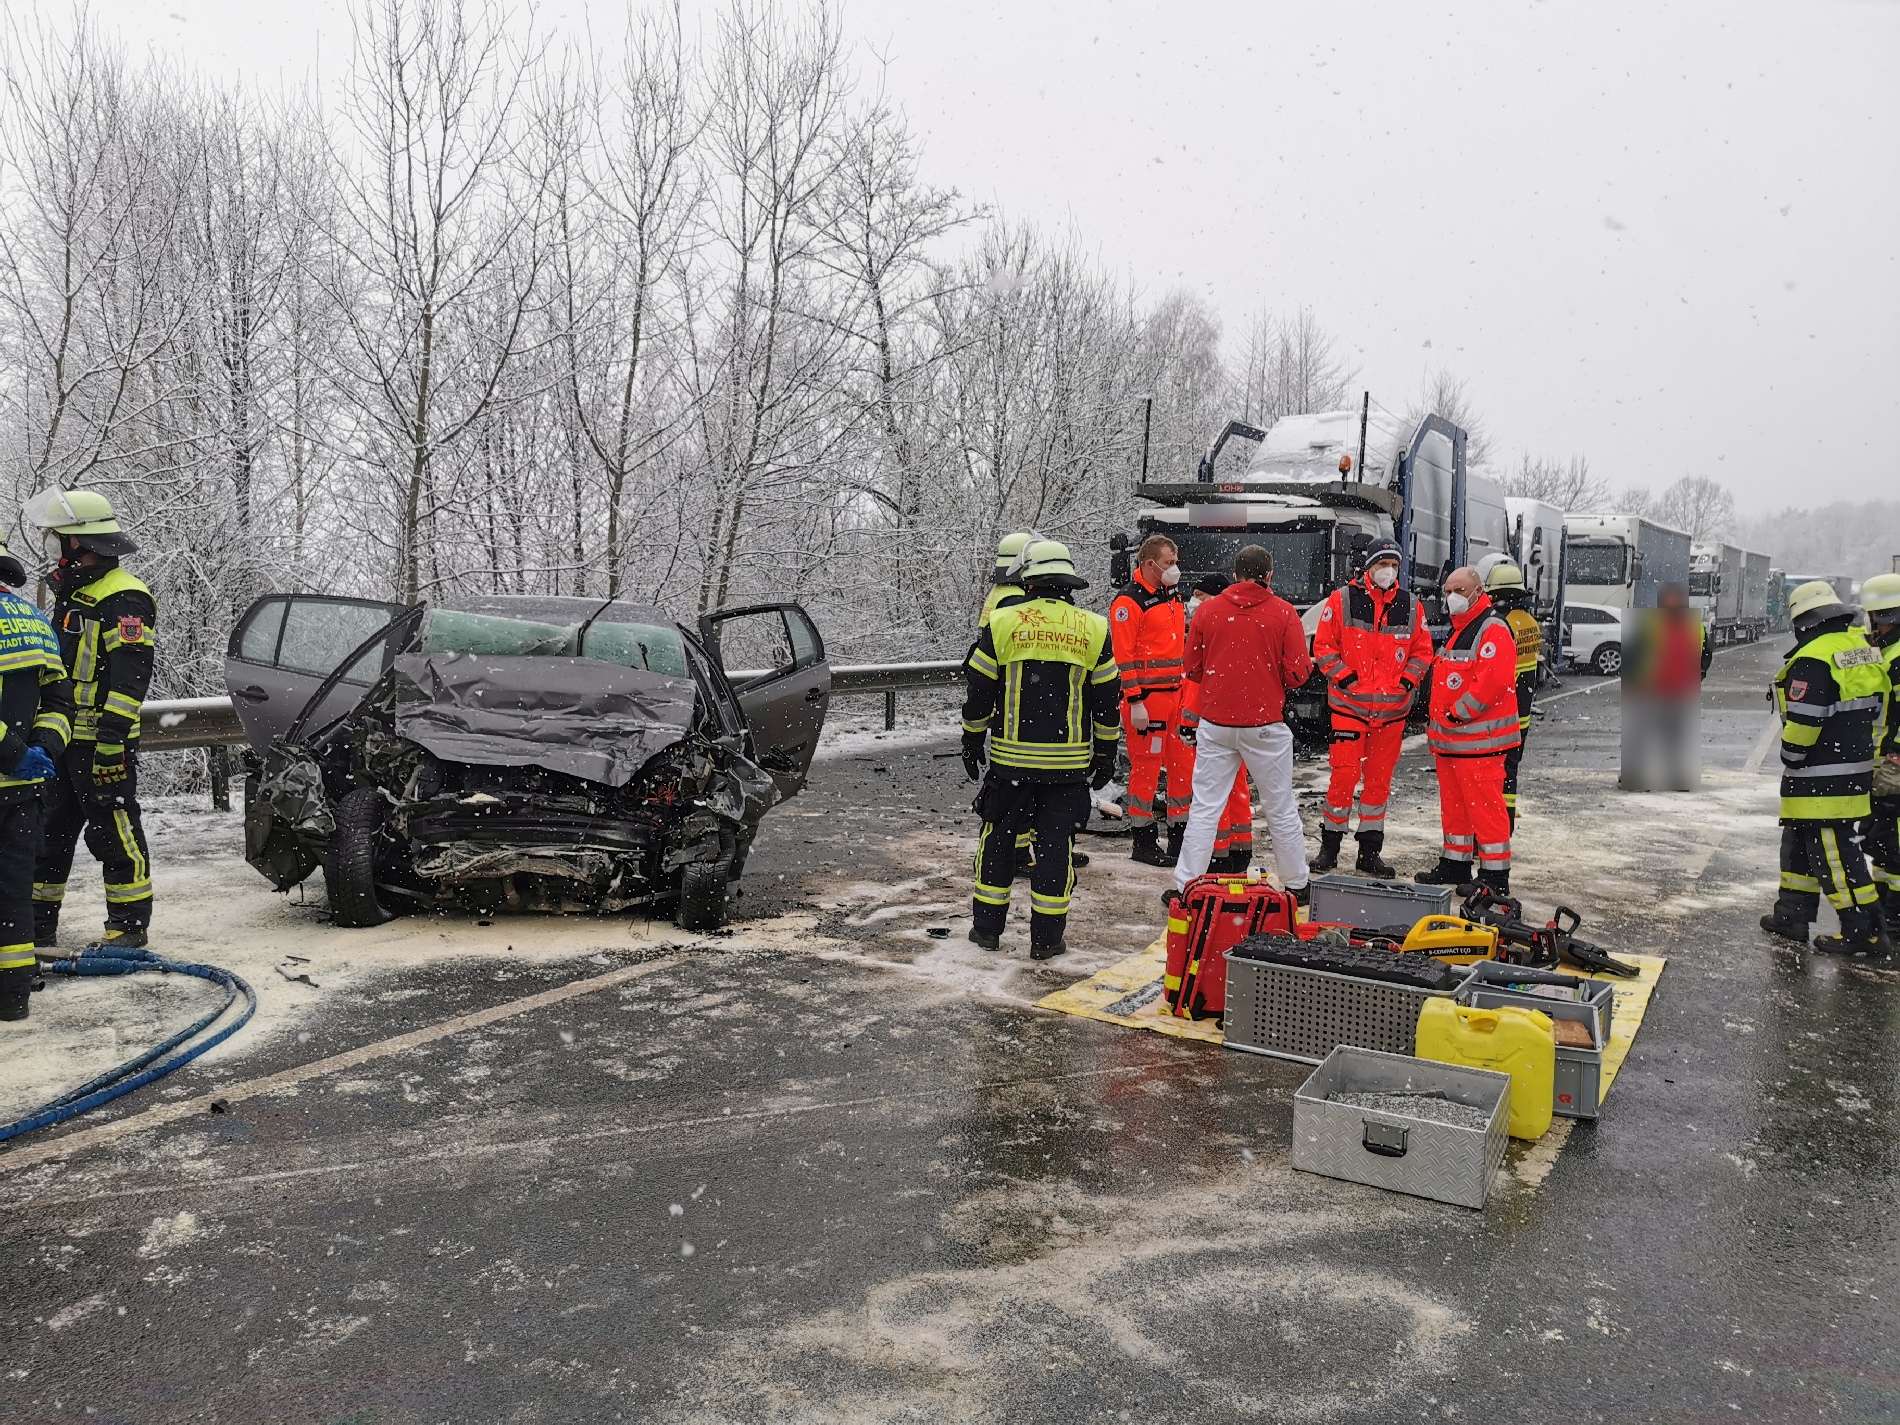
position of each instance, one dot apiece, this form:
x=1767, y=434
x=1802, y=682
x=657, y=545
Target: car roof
x=559, y=609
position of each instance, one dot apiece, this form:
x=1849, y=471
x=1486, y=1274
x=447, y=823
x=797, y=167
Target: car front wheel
x=1608, y=659
x=349, y=871
x=702, y=902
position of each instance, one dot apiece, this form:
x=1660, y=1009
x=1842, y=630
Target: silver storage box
x=1303, y=1015
x=1374, y=905
x=1579, y=1072
x=1397, y=1151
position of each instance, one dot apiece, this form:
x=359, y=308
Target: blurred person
x=1473, y=725
x=36, y=708
x=1880, y=828
x=1041, y=710
x=1373, y=649
x=1666, y=655
x=1504, y=584
x=106, y=622
x=1831, y=694
x=1245, y=648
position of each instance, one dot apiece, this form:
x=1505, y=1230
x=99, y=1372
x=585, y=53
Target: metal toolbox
x=1579, y=1082
x=1293, y=1013
x=1374, y=905
x=1398, y=1151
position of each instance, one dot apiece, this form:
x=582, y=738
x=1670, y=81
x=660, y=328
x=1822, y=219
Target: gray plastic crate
x=1290, y=1012
x=1373, y=905
x=1443, y=1161
x=1578, y=1085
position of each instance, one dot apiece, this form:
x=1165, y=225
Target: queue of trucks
x=1316, y=490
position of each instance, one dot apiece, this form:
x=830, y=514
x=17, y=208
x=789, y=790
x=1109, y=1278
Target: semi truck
x=1777, y=601
x=1728, y=586
x=1621, y=561
x=1316, y=491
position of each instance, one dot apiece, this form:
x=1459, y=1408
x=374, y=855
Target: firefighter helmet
x=1047, y=562
x=12, y=571
x=1009, y=553
x=1880, y=593
x=1503, y=577
x=83, y=516
x=1815, y=602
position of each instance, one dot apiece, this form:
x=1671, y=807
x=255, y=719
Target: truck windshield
x=1597, y=561
x=1700, y=582
x=1300, y=561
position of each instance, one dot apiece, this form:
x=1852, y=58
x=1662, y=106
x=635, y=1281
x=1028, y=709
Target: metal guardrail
x=172, y=724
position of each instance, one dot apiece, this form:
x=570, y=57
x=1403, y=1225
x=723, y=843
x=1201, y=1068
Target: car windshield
x=651, y=647
x=1592, y=561
x=1300, y=561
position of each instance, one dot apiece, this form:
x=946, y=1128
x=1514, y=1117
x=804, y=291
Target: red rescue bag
x=1213, y=914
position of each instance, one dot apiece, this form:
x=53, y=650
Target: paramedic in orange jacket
x=1474, y=723
x=1148, y=628
x=1374, y=650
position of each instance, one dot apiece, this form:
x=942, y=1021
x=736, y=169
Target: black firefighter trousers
x=1880, y=837
x=19, y=844
x=109, y=817
x=1823, y=855
x=1010, y=806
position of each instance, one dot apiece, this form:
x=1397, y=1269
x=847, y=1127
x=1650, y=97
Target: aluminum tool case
x=1579, y=1082
x=1375, y=905
x=1293, y=1013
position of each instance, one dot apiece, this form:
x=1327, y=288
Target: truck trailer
x=1728, y=586
x=1622, y=561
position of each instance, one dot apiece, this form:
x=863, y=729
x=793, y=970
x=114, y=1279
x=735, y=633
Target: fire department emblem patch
x=131, y=629
x=1455, y=681
x=1797, y=691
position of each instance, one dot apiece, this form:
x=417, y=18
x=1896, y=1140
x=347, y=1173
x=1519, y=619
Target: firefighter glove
x=1102, y=769
x=973, y=755
x=35, y=766
x=1138, y=715
x=108, y=764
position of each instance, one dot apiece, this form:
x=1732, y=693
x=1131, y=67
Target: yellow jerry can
x=1517, y=1042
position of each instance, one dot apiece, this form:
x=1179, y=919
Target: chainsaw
x=1540, y=946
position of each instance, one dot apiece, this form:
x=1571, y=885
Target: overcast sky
x=1660, y=235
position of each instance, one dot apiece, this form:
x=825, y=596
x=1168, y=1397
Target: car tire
x=349, y=871
x=1607, y=660
x=702, y=899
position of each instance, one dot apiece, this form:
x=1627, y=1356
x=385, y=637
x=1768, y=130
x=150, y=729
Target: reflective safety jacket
x=1889, y=743
x=996, y=595
x=1530, y=640
x=35, y=699
x=1374, y=650
x=1474, y=686
x=1149, y=631
x=1041, y=682
x=107, y=636
x=1831, y=694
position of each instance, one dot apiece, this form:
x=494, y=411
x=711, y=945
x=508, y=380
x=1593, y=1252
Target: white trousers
x=1268, y=754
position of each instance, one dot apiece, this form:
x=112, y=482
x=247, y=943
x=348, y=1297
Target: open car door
x=286, y=645
x=775, y=660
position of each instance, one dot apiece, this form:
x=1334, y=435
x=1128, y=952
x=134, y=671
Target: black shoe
x=986, y=939
x=1371, y=864
x=1170, y=898
x=1048, y=952
x=1302, y=895
x=1447, y=873
x=45, y=925
x=1147, y=849
x=1078, y=859
x=1328, y=858
x=15, y=993
x=1176, y=835
x=1234, y=863
x=1795, y=930
x=121, y=937
x=1497, y=882
x=1868, y=945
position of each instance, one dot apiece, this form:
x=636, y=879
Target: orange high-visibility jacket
x=1474, y=686
x=1374, y=649
x=1149, y=630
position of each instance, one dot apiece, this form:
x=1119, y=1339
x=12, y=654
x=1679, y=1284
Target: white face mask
x=1170, y=576
x=1456, y=604
x=1385, y=576
x=1193, y=604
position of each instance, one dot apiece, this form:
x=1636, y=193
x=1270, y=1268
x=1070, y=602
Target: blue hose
x=134, y=1072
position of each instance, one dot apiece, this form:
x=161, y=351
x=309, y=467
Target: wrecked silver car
x=521, y=753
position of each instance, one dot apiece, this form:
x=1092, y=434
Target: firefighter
x=1003, y=581
x=1831, y=694
x=1473, y=725
x=1373, y=648
x=1880, y=828
x=1504, y=584
x=1041, y=709
x=35, y=724
x=104, y=619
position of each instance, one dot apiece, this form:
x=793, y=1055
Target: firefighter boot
x=1147, y=848
x=1328, y=858
x=1446, y=873
x=122, y=935
x=45, y=925
x=985, y=939
x=16, y=988
x=1498, y=882
x=1862, y=937
x=1176, y=833
x=1795, y=930
x=1371, y=843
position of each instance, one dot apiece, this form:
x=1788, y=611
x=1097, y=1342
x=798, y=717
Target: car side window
x=807, y=649
x=257, y=639
x=757, y=645
x=319, y=633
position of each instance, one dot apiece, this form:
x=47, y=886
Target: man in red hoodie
x=1245, y=648
x=1474, y=723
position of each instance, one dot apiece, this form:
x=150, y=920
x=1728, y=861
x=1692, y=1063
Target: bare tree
x=1289, y=365
x=1702, y=507
x=1569, y=485
x=1443, y=394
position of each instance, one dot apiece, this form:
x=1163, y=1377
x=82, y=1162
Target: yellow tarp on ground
x=1129, y=992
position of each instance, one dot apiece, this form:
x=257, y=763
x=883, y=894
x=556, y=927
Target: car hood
x=577, y=716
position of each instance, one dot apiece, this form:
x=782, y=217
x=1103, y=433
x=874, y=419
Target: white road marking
x=164, y=1113
x=1770, y=735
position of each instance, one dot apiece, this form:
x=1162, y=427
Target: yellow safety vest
x=97, y=639
x=1047, y=631
x=1861, y=684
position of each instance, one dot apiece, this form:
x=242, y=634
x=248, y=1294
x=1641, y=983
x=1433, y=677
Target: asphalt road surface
x=834, y=1167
